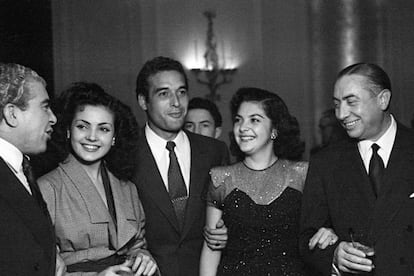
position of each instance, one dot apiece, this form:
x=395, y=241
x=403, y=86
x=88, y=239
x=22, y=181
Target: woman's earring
x=68, y=134
x=113, y=141
x=273, y=135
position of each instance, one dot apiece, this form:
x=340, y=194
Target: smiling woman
x=92, y=133
x=266, y=187
x=259, y=198
x=93, y=205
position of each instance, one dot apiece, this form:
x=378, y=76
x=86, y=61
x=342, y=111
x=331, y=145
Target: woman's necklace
x=273, y=161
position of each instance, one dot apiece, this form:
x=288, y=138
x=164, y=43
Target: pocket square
x=412, y=195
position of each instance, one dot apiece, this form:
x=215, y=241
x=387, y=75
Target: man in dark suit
x=27, y=240
x=174, y=224
x=363, y=187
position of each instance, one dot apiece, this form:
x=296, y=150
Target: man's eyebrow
x=344, y=98
x=166, y=88
x=161, y=89
x=46, y=101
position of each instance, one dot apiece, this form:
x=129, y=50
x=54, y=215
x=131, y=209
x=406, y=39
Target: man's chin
x=175, y=125
x=354, y=134
x=173, y=129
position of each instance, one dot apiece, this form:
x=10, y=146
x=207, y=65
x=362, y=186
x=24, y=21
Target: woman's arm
x=210, y=258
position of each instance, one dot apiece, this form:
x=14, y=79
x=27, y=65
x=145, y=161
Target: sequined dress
x=261, y=210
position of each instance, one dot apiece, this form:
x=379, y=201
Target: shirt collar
x=385, y=142
x=157, y=143
x=11, y=155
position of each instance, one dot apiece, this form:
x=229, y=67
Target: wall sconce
x=212, y=74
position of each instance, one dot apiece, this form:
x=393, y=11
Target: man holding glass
x=363, y=187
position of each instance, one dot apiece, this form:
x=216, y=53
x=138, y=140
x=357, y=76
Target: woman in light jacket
x=98, y=217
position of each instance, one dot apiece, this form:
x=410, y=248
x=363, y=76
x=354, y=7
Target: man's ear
x=385, y=98
x=142, y=102
x=218, y=132
x=10, y=113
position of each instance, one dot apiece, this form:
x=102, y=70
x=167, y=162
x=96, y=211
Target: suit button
x=36, y=266
x=409, y=228
x=402, y=260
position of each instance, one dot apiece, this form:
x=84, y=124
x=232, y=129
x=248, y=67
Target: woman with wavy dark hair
x=259, y=198
x=98, y=217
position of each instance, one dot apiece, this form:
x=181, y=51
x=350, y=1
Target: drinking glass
x=363, y=242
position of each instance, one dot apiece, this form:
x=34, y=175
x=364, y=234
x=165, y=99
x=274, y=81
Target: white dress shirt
x=14, y=158
x=385, y=142
x=162, y=155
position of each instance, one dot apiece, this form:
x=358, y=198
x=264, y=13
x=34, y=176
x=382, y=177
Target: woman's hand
x=116, y=270
x=142, y=264
x=323, y=238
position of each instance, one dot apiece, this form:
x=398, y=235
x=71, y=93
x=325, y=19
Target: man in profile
x=27, y=239
x=173, y=172
x=362, y=188
x=204, y=118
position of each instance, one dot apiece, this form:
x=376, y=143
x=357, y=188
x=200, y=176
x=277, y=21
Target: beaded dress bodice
x=261, y=210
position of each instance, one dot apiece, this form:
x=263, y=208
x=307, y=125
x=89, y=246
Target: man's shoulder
x=405, y=132
x=204, y=140
x=335, y=150
x=215, y=150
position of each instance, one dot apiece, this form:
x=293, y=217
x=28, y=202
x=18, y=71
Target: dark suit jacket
x=177, y=253
x=27, y=240
x=338, y=194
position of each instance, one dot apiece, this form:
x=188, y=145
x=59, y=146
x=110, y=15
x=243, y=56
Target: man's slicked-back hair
x=152, y=67
x=14, y=79
x=375, y=74
x=201, y=103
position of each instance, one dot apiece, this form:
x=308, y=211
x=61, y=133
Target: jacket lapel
x=397, y=183
x=151, y=183
x=354, y=187
x=98, y=212
x=25, y=206
x=198, y=153
x=95, y=206
x=124, y=212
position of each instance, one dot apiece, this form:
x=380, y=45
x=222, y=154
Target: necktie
x=28, y=172
x=176, y=185
x=376, y=169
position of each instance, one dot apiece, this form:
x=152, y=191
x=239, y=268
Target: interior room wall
x=26, y=36
x=399, y=56
x=98, y=41
x=270, y=42
x=108, y=41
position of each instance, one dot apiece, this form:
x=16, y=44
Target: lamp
x=212, y=74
